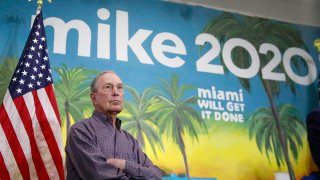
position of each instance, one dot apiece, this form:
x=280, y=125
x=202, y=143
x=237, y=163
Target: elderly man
x=97, y=147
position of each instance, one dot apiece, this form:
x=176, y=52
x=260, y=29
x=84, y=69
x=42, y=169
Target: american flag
x=30, y=132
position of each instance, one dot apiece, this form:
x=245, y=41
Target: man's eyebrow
x=108, y=83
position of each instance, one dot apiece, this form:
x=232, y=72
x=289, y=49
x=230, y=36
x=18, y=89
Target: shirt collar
x=106, y=120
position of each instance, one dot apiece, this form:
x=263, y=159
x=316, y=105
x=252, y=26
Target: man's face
x=108, y=98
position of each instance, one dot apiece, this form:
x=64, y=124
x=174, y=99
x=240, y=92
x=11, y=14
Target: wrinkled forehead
x=109, y=78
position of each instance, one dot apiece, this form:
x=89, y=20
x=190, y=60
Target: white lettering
x=158, y=49
x=135, y=42
x=103, y=44
x=61, y=30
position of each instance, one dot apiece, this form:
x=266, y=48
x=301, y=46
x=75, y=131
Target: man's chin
x=116, y=110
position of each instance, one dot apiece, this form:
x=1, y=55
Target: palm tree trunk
x=185, y=160
x=140, y=136
x=284, y=146
x=66, y=108
x=185, y=163
x=182, y=148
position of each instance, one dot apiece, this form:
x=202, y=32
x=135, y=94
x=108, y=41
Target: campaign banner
x=209, y=94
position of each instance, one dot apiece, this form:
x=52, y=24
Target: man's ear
x=93, y=97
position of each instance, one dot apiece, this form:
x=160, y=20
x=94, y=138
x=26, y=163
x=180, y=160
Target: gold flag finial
x=40, y=2
x=317, y=44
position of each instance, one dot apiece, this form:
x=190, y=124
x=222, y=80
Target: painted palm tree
x=263, y=127
x=258, y=31
x=139, y=121
x=73, y=93
x=176, y=116
x=6, y=71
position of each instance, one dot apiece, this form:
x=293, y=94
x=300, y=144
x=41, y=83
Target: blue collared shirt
x=94, y=140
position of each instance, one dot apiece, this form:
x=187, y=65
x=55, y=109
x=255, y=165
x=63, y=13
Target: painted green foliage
x=140, y=120
x=72, y=92
x=166, y=108
x=6, y=71
x=176, y=116
x=258, y=31
x=262, y=126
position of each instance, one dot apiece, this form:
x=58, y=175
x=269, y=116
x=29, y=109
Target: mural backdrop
x=209, y=94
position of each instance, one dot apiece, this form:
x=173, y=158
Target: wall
x=296, y=11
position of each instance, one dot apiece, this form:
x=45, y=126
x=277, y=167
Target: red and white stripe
x=30, y=137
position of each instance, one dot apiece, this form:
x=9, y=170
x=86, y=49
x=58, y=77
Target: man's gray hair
x=94, y=81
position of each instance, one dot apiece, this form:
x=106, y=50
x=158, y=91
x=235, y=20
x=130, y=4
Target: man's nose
x=115, y=91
